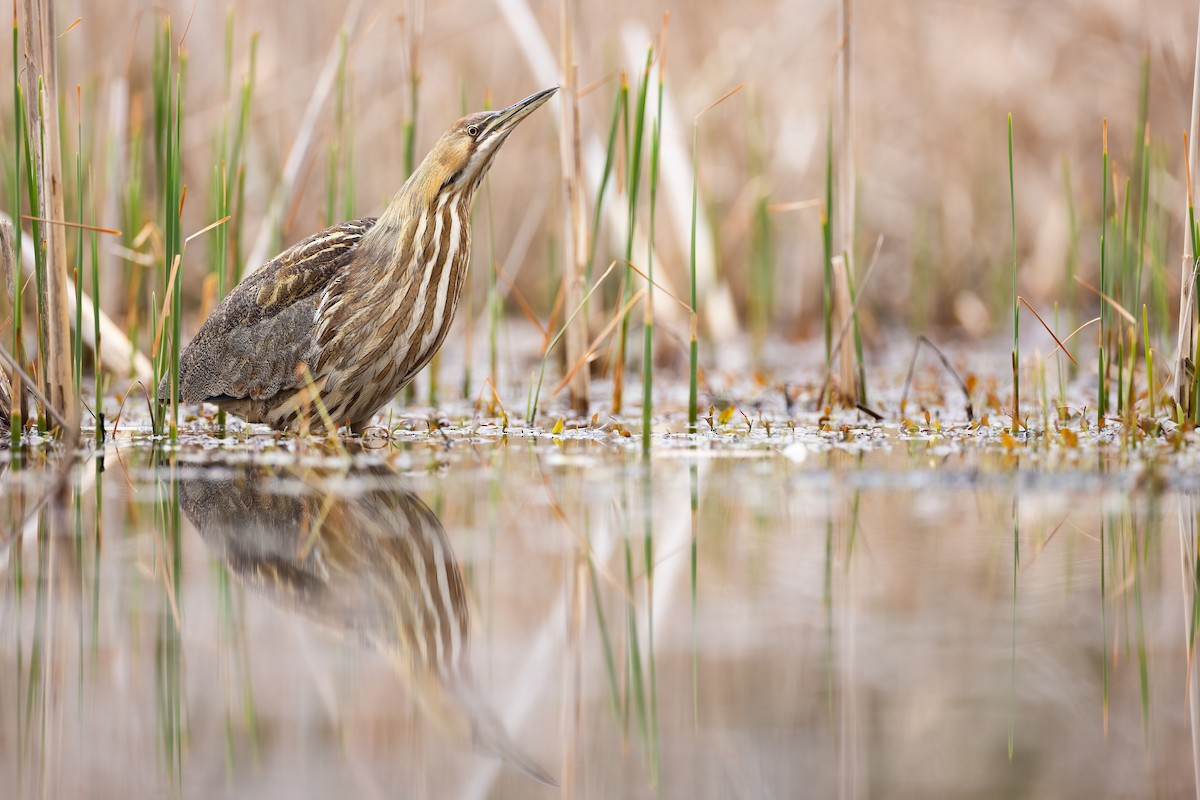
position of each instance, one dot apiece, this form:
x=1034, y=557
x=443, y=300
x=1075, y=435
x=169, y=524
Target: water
x=457, y=614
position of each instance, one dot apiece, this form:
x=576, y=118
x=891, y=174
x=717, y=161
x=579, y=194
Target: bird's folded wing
x=251, y=345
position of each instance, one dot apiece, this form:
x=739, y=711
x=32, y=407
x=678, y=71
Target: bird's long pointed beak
x=507, y=118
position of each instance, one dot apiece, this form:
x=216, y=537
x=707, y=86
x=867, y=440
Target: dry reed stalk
x=1185, y=345
x=575, y=240
x=41, y=76
x=847, y=383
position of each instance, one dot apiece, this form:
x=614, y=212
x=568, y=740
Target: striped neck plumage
x=448, y=177
x=427, y=196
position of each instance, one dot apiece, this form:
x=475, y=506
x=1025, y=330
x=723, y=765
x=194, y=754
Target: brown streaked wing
x=250, y=346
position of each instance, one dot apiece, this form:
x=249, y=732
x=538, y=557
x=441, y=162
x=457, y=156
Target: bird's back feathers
x=249, y=348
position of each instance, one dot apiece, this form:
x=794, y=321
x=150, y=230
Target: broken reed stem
x=1016, y=351
x=847, y=390
x=42, y=73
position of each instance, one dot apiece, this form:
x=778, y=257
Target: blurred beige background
x=934, y=82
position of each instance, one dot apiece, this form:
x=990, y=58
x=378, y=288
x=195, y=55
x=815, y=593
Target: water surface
x=463, y=614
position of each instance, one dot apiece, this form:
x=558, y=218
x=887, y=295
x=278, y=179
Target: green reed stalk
x=1149, y=356
x=410, y=143
x=160, y=72
x=1102, y=389
x=99, y=384
x=132, y=222
x=652, y=742
x=648, y=308
x=1012, y=682
x=334, y=163
x=168, y=650
x=1157, y=243
x=633, y=663
x=220, y=187
x=1072, y=242
x=410, y=125
x=175, y=242
x=610, y=668
x=609, y=158
x=1103, y=626
x=827, y=237
x=1143, y=214
x=761, y=278
x=693, y=344
x=237, y=168
x=77, y=338
x=1016, y=351
x=694, y=495
x=16, y=423
x=1194, y=405
x=1141, y=175
x=168, y=115
x=40, y=265
x=494, y=304
x=1120, y=289
x=635, y=169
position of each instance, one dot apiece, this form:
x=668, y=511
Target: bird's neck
x=398, y=236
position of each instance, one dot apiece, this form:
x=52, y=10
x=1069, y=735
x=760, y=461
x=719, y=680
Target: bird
x=331, y=329
x=365, y=559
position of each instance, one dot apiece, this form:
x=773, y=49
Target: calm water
x=456, y=616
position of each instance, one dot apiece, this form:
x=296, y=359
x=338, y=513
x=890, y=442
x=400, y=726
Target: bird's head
x=462, y=156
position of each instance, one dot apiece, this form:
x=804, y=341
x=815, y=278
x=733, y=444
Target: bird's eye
x=472, y=131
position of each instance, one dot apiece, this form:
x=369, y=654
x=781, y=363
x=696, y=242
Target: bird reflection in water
x=363, y=557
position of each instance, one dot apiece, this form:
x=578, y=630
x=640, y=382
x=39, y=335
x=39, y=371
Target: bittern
x=335, y=326
x=366, y=559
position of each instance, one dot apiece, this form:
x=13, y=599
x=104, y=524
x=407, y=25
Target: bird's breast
x=394, y=317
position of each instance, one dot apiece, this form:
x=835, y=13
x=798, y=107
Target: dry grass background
x=934, y=81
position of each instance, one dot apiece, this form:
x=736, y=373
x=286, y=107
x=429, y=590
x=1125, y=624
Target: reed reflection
x=364, y=557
